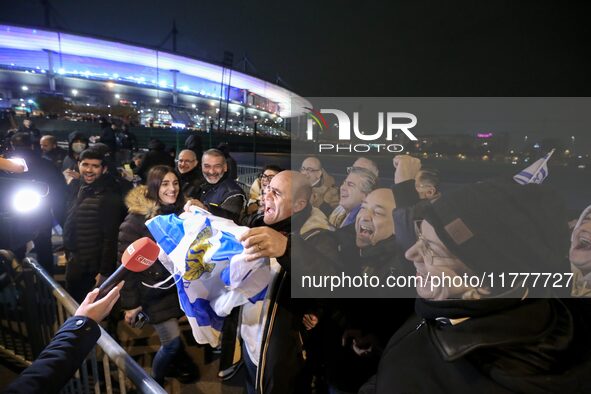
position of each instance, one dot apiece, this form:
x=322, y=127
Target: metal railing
x=32, y=308
x=247, y=175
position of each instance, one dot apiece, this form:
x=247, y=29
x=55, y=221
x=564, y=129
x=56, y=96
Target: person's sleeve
x=231, y=208
x=58, y=362
x=404, y=227
x=405, y=194
x=313, y=256
x=110, y=220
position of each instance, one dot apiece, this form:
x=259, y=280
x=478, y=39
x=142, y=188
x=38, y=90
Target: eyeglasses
x=186, y=161
x=309, y=169
x=265, y=177
x=425, y=248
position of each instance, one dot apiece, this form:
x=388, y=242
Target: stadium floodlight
x=25, y=88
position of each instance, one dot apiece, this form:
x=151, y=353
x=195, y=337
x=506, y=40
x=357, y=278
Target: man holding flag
x=271, y=328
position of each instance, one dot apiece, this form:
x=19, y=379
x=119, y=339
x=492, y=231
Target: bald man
x=51, y=151
x=189, y=172
x=325, y=194
x=289, y=223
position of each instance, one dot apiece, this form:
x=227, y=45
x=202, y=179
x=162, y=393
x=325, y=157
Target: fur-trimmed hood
x=138, y=203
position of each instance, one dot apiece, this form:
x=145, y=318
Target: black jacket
x=225, y=198
x=92, y=225
x=58, y=362
x=191, y=182
x=282, y=352
x=57, y=156
x=158, y=304
x=535, y=346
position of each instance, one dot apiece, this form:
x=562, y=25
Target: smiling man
x=219, y=194
x=354, y=189
x=374, y=250
x=189, y=173
x=92, y=225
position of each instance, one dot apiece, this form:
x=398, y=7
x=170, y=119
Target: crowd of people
x=521, y=337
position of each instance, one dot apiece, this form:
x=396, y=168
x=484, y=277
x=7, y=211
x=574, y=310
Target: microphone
x=138, y=257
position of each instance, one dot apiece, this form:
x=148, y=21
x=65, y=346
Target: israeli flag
x=535, y=173
x=203, y=253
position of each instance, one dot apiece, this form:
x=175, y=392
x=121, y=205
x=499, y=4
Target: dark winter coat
x=537, y=346
x=57, y=156
x=92, y=225
x=191, y=182
x=58, y=362
x=225, y=198
x=282, y=349
x=158, y=304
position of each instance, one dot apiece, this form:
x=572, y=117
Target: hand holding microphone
x=138, y=257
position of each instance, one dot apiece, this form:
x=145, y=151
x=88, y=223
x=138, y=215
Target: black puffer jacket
x=91, y=228
x=158, y=304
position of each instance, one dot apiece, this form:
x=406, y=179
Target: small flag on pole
x=535, y=173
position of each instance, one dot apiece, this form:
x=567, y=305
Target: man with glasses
x=488, y=335
x=219, y=194
x=189, y=173
x=324, y=192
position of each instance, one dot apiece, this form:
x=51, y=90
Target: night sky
x=343, y=48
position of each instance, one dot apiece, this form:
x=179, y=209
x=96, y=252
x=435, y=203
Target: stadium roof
x=33, y=39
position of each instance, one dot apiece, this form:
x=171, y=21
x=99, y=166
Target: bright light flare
x=26, y=200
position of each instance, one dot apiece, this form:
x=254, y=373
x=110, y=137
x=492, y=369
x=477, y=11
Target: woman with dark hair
x=159, y=196
x=258, y=187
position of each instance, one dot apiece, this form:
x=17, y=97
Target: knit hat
x=499, y=226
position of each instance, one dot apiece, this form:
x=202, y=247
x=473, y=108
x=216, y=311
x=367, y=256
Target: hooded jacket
x=71, y=160
x=158, y=304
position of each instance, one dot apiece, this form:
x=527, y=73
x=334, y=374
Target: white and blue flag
x=203, y=253
x=535, y=173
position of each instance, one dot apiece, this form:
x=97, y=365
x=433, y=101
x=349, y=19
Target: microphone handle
x=112, y=281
